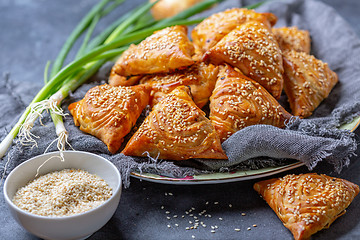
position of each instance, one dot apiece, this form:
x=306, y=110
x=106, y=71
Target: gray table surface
x=32, y=31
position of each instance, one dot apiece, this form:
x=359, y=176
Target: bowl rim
x=62, y=218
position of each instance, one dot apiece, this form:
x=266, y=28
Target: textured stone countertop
x=32, y=31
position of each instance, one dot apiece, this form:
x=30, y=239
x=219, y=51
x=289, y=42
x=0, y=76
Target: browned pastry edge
x=238, y=101
x=165, y=50
x=292, y=38
x=108, y=116
x=176, y=129
x=307, y=203
x=307, y=82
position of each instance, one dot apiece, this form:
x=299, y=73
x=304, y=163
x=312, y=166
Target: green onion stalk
x=91, y=56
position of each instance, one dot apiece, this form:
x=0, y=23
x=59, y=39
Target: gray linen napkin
x=310, y=140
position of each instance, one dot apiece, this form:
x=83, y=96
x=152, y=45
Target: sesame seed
x=63, y=193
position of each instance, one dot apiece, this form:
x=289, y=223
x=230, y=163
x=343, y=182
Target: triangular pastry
x=307, y=82
x=252, y=48
x=200, y=77
x=176, y=129
x=210, y=31
x=307, y=203
x=109, y=113
x=292, y=38
x=164, y=51
x=238, y=102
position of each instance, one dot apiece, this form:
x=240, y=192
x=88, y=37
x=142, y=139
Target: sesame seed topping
x=63, y=193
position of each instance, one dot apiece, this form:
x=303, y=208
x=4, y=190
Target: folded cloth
x=307, y=140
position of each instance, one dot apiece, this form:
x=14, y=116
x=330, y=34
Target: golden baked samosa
x=292, y=38
x=210, y=31
x=252, y=48
x=176, y=129
x=164, y=51
x=238, y=102
x=307, y=203
x=200, y=77
x=109, y=113
x=307, y=82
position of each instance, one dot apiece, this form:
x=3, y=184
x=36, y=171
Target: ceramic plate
x=235, y=176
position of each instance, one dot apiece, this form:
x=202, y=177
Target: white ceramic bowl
x=78, y=226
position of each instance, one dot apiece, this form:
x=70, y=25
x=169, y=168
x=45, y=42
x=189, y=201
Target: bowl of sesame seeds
x=63, y=198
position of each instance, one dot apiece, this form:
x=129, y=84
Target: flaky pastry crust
x=176, y=129
x=109, y=112
x=200, y=77
x=210, y=31
x=164, y=51
x=307, y=203
x=292, y=38
x=252, y=48
x=238, y=102
x=116, y=80
x=307, y=82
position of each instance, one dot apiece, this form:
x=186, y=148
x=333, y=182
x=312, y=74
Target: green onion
x=121, y=28
x=96, y=41
x=87, y=37
x=110, y=8
x=255, y=5
x=75, y=35
x=46, y=72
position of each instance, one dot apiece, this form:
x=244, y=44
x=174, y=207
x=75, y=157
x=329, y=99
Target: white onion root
x=25, y=137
